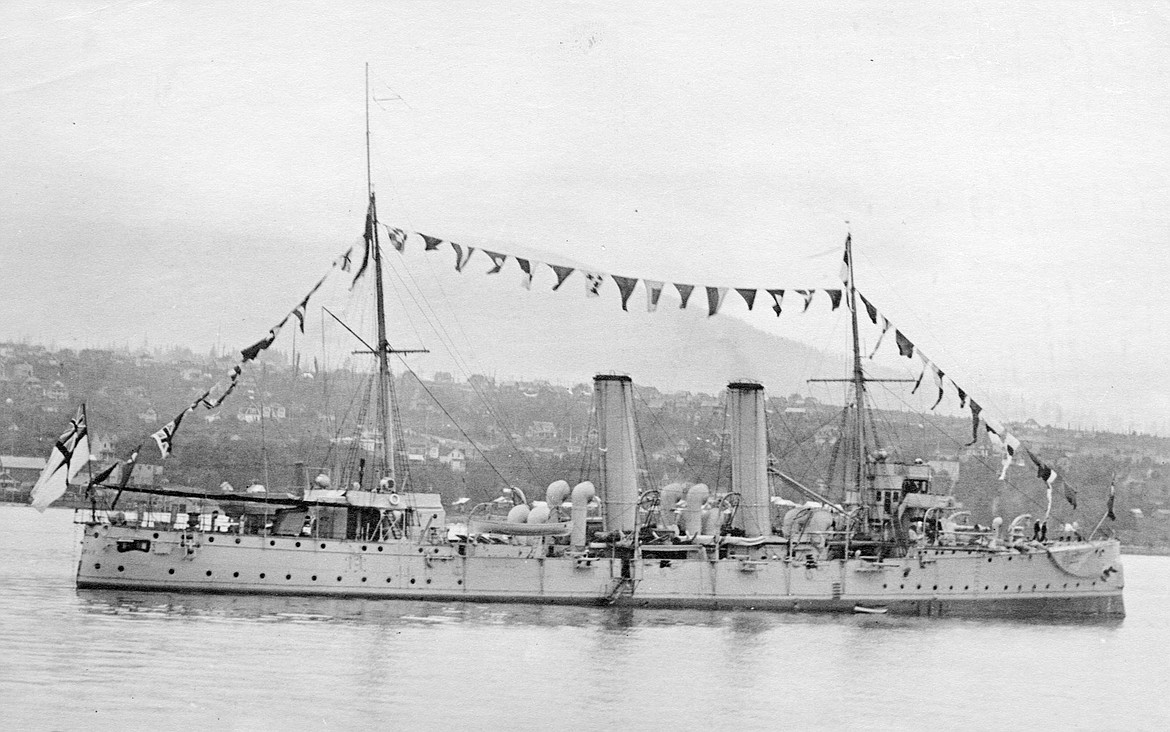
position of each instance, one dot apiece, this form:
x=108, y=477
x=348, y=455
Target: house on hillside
x=275, y=411
x=57, y=392
x=249, y=414
x=542, y=431
x=827, y=435
x=456, y=459
x=416, y=451
x=103, y=447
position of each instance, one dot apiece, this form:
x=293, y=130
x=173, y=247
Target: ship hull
x=1062, y=580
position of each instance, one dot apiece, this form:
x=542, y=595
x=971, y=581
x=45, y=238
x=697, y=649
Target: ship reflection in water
x=356, y=611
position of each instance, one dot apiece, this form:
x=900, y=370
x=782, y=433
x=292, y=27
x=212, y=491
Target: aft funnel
x=749, y=457
x=614, y=401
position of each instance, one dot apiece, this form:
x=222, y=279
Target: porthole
x=883, y=587
x=363, y=579
x=339, y=578
x=989, y=560
x=261, y=575
x=314, y=578
x=1033, y=587
x=1009, y=559
x=271, y=543
x=322, y=546
x=919, y=587
x=235, y=574
x=379, y=548
x=388, y=579
x=288, y=576
x=951, y=587
x=171, y=570
x=298, y=545
x=987, y=587
x=156, y=535
x=901, y=587
x=412, y=580
x=211, y=540
x=95, y=534
x=121, y=568
x=1005, y=587
x=420, y=550
x=209, y=573
x=966, y=587
x=237, y=540
x=97, y=566
x=1019, y=587
x=363, y=547
x=428, y=580
x=436, y=550
x=936, y=587
x=1046, y=587
x=458, y=582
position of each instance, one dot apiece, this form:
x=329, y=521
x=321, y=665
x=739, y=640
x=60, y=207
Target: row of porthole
x=988, y=587
x=264, y=575
x=272, y=542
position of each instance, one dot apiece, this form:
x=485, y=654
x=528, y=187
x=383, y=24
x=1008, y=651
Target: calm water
x=126, y=660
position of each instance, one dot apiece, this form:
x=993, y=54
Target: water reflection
x=615, y=620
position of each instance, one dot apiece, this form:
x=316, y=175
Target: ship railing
x=165, y=520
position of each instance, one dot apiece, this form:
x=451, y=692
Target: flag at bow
x=70, y=454
x=128, y=468
x=166, y=436
x=100, y=478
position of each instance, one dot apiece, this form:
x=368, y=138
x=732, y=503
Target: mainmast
x=858, y=374
x=383, y=347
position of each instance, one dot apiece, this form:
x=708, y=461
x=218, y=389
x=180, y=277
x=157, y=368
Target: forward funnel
x=749, y=457
x=614, y=401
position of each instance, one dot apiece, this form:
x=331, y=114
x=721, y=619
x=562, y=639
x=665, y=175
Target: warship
x=882, y=539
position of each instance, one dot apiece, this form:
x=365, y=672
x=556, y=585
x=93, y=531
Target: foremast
x=386, y=423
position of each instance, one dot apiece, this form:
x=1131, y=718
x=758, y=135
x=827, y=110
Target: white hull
x=1083, y=578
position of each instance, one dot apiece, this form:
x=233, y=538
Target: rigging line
x=402, y=303
x=800, y=442
x=986, y=401
x=397, y=97
x=662, y=427
x=645, y=460
x=466, y=436
x=449, y=344
x=980, y=460
x=707, y=429
x=723, y=441
x=585, y=468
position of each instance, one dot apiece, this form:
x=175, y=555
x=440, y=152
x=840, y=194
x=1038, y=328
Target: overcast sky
x=175, y=172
